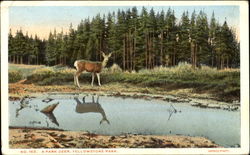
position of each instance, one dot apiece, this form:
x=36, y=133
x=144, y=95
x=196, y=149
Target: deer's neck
x=103, y=114
x=104, y=63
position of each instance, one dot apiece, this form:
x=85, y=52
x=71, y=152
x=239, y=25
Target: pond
x=115, y=115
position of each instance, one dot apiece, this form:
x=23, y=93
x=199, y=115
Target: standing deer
x=86, y=107
x=95, y=67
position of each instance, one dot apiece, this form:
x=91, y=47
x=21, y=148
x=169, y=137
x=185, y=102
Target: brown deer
x=95, y=67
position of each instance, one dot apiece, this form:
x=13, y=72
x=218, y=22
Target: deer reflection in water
x=87, y=107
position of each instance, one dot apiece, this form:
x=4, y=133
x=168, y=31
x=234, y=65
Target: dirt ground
x=41, y=138
x=18, y=90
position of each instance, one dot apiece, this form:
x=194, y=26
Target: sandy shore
x=41, y=138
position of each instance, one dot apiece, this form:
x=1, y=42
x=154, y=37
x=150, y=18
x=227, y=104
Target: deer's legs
x=93, y=78
x=98, y=77
x=74, y=79
x=97, y=100
x=77, y=74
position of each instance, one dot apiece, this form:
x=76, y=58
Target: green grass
x=219, y=82
x=26, y=70
x=15, y=76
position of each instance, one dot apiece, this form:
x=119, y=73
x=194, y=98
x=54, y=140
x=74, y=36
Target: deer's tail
x=75, y=64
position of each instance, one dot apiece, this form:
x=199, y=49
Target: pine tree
x=161, y=31
x=184, y=32
x=171, y=38
x=193, y=39
x=50, y=50
x=11, y=48
x=212, y=29
x=203, y=54
x=137, y=41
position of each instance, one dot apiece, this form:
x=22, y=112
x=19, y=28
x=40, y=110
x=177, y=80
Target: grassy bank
x=223, y=84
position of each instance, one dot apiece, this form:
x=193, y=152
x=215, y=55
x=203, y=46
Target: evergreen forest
x=138, y=40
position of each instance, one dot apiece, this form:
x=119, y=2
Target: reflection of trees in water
x=24, y=103
x=47, y=100
x=172, y=110
x=34, y=122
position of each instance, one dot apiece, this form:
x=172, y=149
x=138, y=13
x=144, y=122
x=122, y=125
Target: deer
x=95, y=107
x=94, y=67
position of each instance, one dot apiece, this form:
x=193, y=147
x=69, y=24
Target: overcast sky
x=41, y=20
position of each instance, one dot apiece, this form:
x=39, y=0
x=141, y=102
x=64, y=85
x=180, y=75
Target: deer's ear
x=110, y=54
x=103, y=54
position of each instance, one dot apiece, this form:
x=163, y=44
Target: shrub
x=46, y=70
x=15, y=76
x=115, y=68
x=40, y=74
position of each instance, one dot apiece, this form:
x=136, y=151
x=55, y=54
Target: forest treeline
x=137, y=39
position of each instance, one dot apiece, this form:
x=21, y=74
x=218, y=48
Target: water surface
x=127, y=115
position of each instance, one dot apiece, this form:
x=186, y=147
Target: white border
x=244, y=38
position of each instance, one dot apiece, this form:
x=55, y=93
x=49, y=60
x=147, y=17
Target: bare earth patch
x=19, y=89
x=40, y=138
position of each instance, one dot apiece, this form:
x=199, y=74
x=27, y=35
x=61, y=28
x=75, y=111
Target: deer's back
x=88, y=107
x=89, y=66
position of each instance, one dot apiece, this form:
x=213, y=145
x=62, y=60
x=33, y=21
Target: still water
x=116, y=115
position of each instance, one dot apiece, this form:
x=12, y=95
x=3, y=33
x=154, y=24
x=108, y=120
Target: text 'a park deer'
x=95, y=67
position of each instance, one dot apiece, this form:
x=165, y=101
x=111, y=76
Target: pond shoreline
x=51, y=138
x=18, y=90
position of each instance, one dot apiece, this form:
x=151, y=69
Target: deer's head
x=105, y=58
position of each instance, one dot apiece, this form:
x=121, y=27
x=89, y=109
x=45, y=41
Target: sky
x=41, y=20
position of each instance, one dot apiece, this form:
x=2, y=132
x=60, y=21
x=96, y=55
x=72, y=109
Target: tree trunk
x=131, y=51
x=192, y=54
x=134, y=50
x=218, y=62
x=174, y=56
x=21, y=59
x=227, y=62
x=146, y=51
x=13, y=59
x=150, y=52
x=127, y=51
x=161, y=55
x=28, y=60
x=153, y=51
x=123, y=55
x=212, y=58
x=17, y=59
x=195, y=55
x=100, y=48
x=222, y=62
